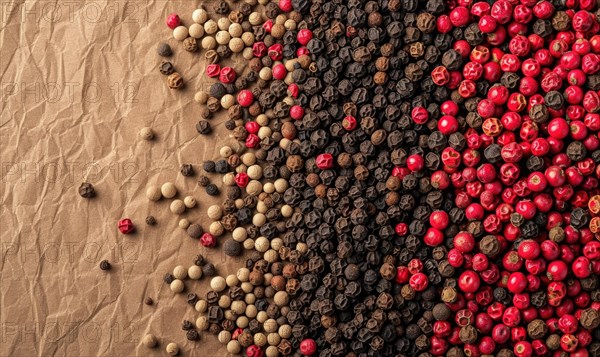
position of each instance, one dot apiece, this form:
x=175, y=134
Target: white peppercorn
x=201, y=97
x=202, y=323
x=285, y=331
x=223, y=23
x=272, y=350
x=262, y=120
x=218, y=284
x=200, y=16
x=208, y=43
x=180, y=33
x=239, y=203
x=177, y=286
x=290, y=25
x=216, y=229
x=248, y=38
x=265, y=74
x=241, y=168
x=281, y=185
x=302, y=247
x=222, y=37
x=184, y=223
x=238, y=307
x=172, y=349
x=234, y=347
x=273, y=339
x=264, y=132
x=255, y=172
x=261, y=207
x=281, y=298
x=247, y=53
x=195, y=272
x=271, y=256
x=153, y=193
x=242, y=322
x=224, y=302
x=201, y=306
x=150, y=341
x=268, y=187
x=214, y=212
x=196, y=31
x=224, y=337
x=247, y=287
x=250, y=299
x=227, y=101
x=229, y=179
x=260, y=339
x=210, y=27
x=180, y=272
x=232, y=280
x=146, y=133
x=255, y=19
x=248, y=244
x=270, y=325
x=259, y=220
x=243, y=274
x=236, y=45
x=177, y=207
x=254, y=188
x=168, y=190
x=189, y=202
x=235, y=30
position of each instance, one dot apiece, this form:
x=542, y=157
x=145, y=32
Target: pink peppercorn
x=245, y=98
x=324, y=161
x=213, y=70
x=173, y=21
x=227, y=75
x=259, y=49
x=301, y=51
x=304, y=36
x=308, y=347
x=275, y=52
x=293, y=90
x=126, y=226
x=242, y=179
x=349, y=123
x=286, y=5
x=208, y=240
x=252, y=141
x=279, y=71
x=254, y=351
x=296, y=112
x=252, y=127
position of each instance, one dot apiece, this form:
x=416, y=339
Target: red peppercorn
x=419, y=282
x=523, y=349
x=245, y=98
x=415, y=162
x=275, y=52
x=213, y=70
x=173, y=21
x=469, y=281
x=227, y=75
x=433, y=237
x=242, y=179
x=304, y=36
x=126, y=226
x=254, y=351
x=296, y=112
x=308, y=347
x=279, y=71
x=208, y=240
x=464, y=242
x=517, y=282
x=349, y=123
x=324, y=161
x=402, y=275
x=259, y=49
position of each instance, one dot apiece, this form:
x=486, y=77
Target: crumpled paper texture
x=78, y=81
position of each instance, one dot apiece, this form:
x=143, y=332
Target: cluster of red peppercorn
x=526, y=96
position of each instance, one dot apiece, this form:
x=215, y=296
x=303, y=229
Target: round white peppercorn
x=290, y=25
x=202, y=323
x=229, y=179
x=281, y=185
x=273, y=339
x=250, y=299
x=196, y=31
x=180, y=272
x=177, y=207
x=227, y=101
x=243, y=274
x=224, y=337
x=281, y=298
x=239, y=234
x=254, y=188
x=222, y=37
x=302, y=247
x=284, y=143
x=201, y=97
x=251, y=2
x=261, y=207
x=223, y=23
x=254, y=172
x=242, y=322
x=225, y=151
x=229, y=315
x=268, y=187
x=270, y=325
x=280, y=19
x=201, y=306
x=218, y=284
x=195, y=272
x=287, y=211
x=236, y=45
x=180, y=33
x=189, y=202
x=255, y=19
x=146, y=133
x=153, y=193
x=248, y=159
x=233, y=346
x=260, y=339
x=264, y=132
x=239, y=203
x=247, y=287
x=289, y=64
x=149, y=341
x=272, y=350
x=200, y=16
x=216, y=229
x=261, y=244
x=259, y=220
x=289, y=79
x=268, y=277
x=248, y=38
x=172, y=349
x=251, y=311
x=224, y=302
x=276, y=243
x=265, y=74
x=271, y=256
x=177, y=286
x=168, y=190
x=285, y=331
x=262, y=316
x=214, y=212
x=210, y=27
x=238, y=307
x=184, y=223
x=247, y=53
x=241, y=169
x=208, y=43
x=248, y=244
x=232, y=280
x=235, y=30
x=262, y=120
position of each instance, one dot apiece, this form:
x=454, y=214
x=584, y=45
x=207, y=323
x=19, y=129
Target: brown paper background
x=78, y=81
